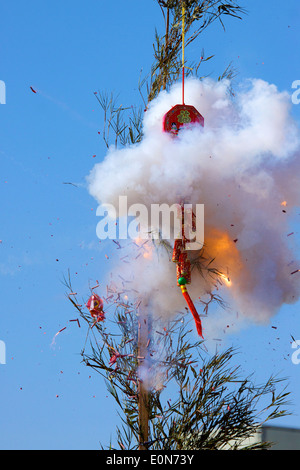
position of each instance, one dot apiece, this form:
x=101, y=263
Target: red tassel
x=193, y=310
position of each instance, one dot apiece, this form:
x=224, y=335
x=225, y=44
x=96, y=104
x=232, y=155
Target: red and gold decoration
x=95, y=307
x=181, y=115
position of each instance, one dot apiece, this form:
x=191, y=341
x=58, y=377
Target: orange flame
x=226, y=278
x=145, y=246
x=221, y=247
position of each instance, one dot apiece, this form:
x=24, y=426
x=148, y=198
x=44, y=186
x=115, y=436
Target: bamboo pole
x=143, y=393
x=166, y=49
x=183, y=48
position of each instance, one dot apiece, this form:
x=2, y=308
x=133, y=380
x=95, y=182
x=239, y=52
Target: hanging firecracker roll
x=183, y=264
x=177, y=250
x=178, y=273
x=189, y=221
x=184, y=268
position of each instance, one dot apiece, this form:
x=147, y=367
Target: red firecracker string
x=193, y=310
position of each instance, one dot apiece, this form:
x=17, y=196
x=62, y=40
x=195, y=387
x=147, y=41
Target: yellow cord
x=183, y=41
x=183, y=32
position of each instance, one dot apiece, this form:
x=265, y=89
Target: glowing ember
x=226, y=278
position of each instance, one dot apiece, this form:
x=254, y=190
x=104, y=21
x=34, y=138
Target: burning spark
x=53, y=340
x=142, y=244
x=138, y=241
x=297, y=271
x=226, y=278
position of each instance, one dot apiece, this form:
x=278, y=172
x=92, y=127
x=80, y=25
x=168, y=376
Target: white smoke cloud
x=242, y=165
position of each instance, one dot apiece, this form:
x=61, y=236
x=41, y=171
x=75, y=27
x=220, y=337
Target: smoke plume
x=243, y=166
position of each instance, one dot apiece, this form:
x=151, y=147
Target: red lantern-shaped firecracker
x=95, y=306
x=181, y=115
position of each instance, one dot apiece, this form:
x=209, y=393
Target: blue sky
x=66, y=51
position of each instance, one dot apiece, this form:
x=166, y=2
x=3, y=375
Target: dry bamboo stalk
x=143, y=401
